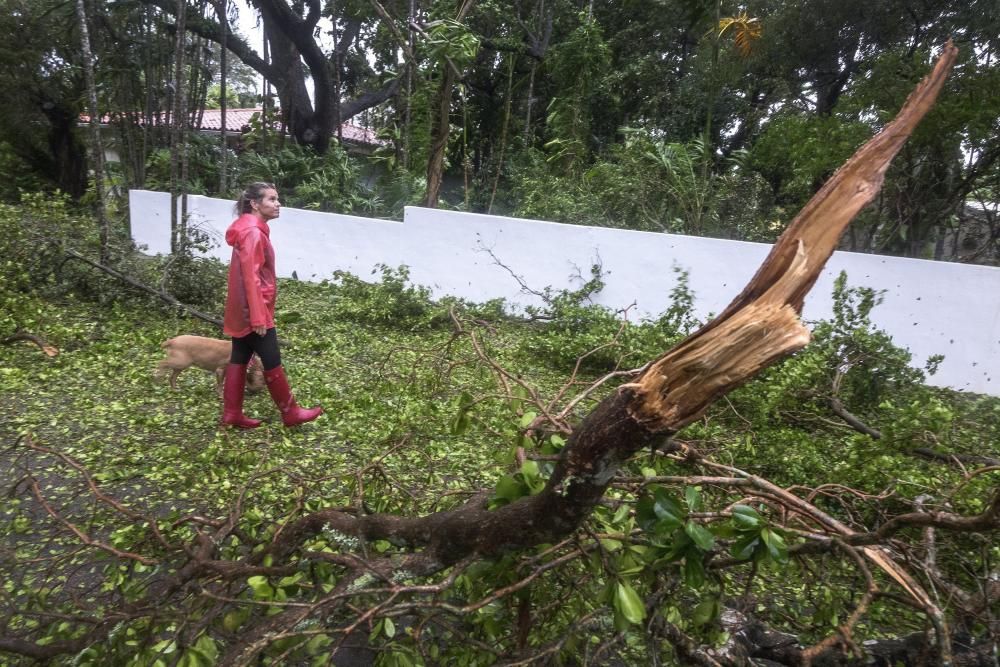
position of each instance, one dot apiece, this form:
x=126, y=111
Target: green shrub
x=569, y=329
x=392, y=301
x=17, y=175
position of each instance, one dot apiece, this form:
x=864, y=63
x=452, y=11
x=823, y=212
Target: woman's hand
x=260, y=331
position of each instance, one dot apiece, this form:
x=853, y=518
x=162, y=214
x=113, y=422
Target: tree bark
x=177, y=234
x=96, y=146
x=222, y=8
x=66, y=159
x=439, y=138
x=442, y=123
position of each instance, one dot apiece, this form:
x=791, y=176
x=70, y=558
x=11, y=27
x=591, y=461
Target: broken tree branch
x=163, y=296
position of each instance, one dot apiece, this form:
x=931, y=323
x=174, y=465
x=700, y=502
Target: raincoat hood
x=244, y=223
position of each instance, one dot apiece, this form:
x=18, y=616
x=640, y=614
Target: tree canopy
x=692, y=116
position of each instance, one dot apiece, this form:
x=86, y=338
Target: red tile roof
x=237, y=119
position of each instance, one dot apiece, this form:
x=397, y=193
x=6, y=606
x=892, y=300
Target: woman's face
x=268, y=206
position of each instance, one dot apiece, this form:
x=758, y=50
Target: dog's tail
x=163, y=367
x=161, y=370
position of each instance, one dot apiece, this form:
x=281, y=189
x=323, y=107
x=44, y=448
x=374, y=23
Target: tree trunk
x=439, y=137
x=96, y=146
x=503, y=131
x=222, y=7
x=67, y=158
x=442, y=125
x=292, y=41
x=177, y=132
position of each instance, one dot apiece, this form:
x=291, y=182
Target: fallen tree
x=357, y=589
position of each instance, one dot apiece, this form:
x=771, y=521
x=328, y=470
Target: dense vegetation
x=692, y=116
x=834, y=510
x=429, y=402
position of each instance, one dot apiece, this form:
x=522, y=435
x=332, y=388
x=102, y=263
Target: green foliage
x=330, y=182
x=848, y=358
x=390, y=301
x=33, y=234
x=525, y=482
x=17, y=175
x=203, y=155
x=796, y=154
x=305, y=179
x=236, y=98
x=448, y=39
x=755, y=539
x=187, y=274
x=577, y=66
x=543, y=194
x=570, y=330
x=38, y=235
x=262, y=136
x=396, y=190
x=414, y=421
x=649, y=184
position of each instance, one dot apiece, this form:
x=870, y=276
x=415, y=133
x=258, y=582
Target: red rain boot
x=234, y=383
x=281, y=394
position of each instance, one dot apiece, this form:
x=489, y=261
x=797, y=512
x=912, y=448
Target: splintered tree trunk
x=760, y=327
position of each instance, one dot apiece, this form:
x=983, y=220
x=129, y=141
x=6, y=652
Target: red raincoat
x=252, y=285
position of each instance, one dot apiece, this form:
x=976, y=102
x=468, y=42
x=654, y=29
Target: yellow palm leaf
x=746, y=31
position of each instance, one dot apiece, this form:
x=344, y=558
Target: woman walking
x=249, y=316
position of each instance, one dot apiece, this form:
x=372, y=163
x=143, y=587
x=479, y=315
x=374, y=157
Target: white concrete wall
x=930, y=307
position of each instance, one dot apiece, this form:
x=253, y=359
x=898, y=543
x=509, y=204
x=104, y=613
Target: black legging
x=265, y=346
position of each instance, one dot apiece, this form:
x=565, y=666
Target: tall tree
x=457, y=50
x=222, y=9
x=297, y=55
x=96, y=145
x=178, y=132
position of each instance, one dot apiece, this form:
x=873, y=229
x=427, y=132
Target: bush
x=569, y=330
x=38, y=235
x=544, y=195
x=651, y=185
x=566, y=329
x=17, y=175
x=33, y=235
x=391, y=301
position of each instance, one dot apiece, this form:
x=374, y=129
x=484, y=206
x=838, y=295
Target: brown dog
x=210, y=354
